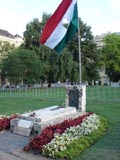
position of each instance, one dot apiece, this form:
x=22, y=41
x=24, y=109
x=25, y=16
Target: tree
x=33, y=32
x=68, y=69
x=57, y=67
x=89, y=56
x=5, y=49
x=23, y=66
x=46, y=55
x=111, y=56
x=50, y=61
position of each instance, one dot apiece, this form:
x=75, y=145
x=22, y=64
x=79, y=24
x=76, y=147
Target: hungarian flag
x=61, y=26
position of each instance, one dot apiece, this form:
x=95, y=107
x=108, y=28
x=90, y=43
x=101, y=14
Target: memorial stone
x=34, y=122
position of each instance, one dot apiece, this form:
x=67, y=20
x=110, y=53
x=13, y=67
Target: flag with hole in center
x=61, y=26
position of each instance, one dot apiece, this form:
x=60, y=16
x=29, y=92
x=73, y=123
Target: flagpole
x=79, y=48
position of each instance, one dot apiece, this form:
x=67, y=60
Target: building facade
x=12, y=39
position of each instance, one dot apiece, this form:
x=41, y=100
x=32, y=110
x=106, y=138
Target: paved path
x=11, y=146
x=10, y=142
x=7, y=156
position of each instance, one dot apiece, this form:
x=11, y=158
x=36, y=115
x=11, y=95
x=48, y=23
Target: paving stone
x=7, y=156
x=10, y=142
x=11, y=148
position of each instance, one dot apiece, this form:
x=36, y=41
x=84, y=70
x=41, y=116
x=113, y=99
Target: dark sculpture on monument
x=76, y=97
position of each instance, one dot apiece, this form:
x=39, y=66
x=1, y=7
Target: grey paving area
x=11, y=148
x=12, y=142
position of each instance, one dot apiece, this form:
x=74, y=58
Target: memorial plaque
x=24, y=123
x=24, y=127
x=22, y=131
x=75, y=96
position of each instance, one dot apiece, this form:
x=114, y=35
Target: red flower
x=5, y=122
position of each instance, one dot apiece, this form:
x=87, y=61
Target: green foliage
x=5, y=49
x=67, y=65
x=89, y=56
x=32, y=34
x=111, y=56
x=22, y=66
x=68, y=68
x=54, y=67
x=84, y=142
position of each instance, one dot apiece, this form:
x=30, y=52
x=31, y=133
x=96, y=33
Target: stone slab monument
x=34, y=122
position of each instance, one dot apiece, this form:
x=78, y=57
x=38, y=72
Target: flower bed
x=48, y=133
x=5, y=121
x=69, y=138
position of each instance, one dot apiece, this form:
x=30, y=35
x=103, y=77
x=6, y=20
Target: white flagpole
x=79, y=47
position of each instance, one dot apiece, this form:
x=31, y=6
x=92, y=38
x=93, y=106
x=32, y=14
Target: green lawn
x=10, y=106
x=103, y=101
x=12, y=101
x=107, y=148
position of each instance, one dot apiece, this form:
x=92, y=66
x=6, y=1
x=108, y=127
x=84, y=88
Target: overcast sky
x=101, y=15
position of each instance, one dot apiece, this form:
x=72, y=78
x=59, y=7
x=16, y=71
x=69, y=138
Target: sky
x=102, y=15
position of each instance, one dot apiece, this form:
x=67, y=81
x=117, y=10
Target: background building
x=12, y=39
x=98, y=39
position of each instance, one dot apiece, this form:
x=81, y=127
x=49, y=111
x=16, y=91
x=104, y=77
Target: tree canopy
x=5, y=49
x=89, y=56
x=70, y=53
x=111, y=56
x=23, y=66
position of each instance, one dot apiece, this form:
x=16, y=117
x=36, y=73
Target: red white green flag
x=61, y=27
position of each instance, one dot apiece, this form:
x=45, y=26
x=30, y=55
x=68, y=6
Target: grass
x=107, y=148
x=24, y=100
x=12, y=101
x=102, y=101
x=10, y=106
